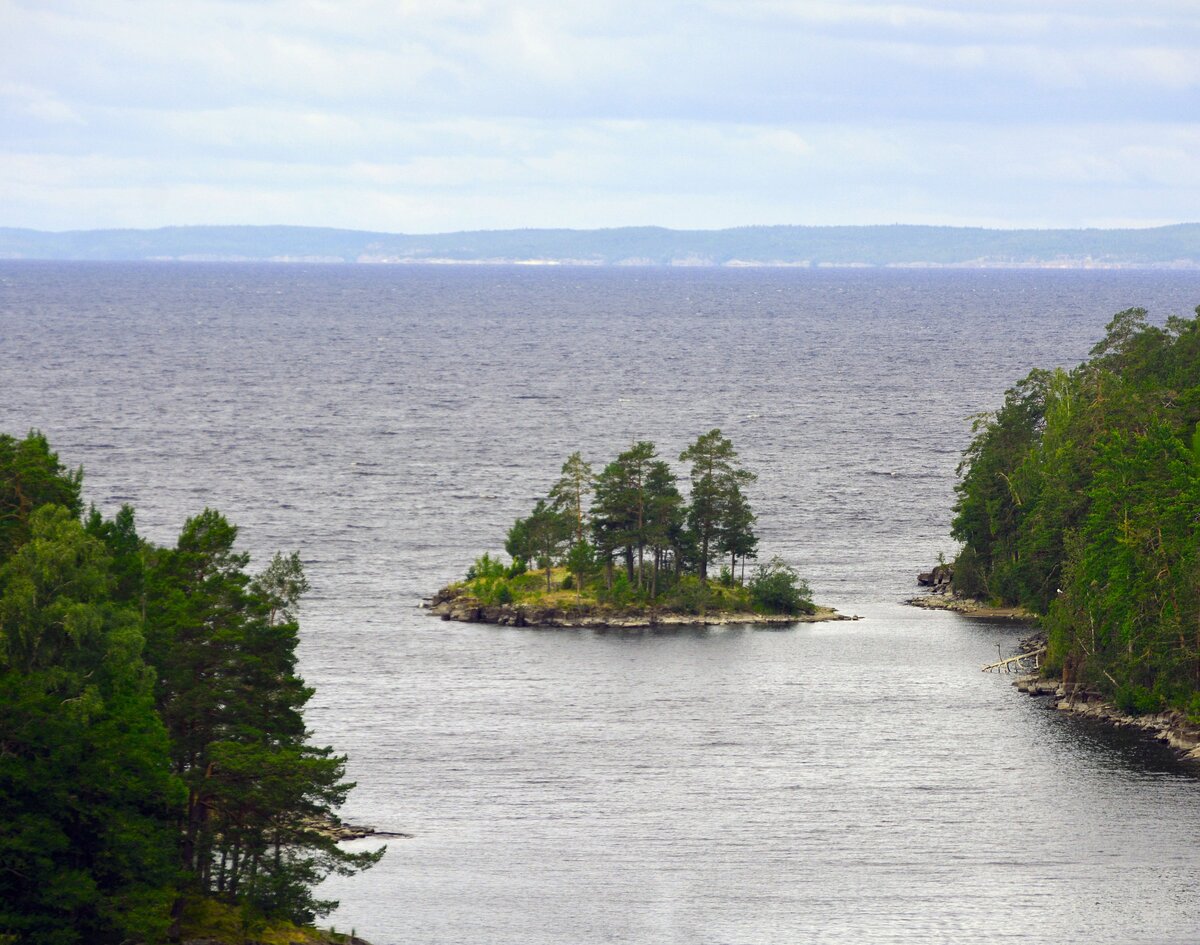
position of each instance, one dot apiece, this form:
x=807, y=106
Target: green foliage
x=621, y=592
x=87, y=848
x=690, y=595
x=31, y=476
x=152, y=739
x=223, y=644
x=486, y=566
x=1080, y=499
x=717, y=513
x=581, y=563
x=776, y=588
x=645, y=540
x=1137, y=700
x=516, y=569
x=570, y=494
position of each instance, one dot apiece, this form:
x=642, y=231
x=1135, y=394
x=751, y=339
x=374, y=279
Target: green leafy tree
x=548, y=533
x=1080, y=499
x=31, y=476
x=581, y=563
x=87, y=852
x=776, y=588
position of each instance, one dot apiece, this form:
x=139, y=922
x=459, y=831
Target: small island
x=625, y=549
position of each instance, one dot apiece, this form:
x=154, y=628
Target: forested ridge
x=154, y=761
x=1080, y=500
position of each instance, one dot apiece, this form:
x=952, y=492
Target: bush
x=517, y=568
x=1138, y=700
x=621, y=592
x=486, y=567
x=568, y=583
x=726, y=577
x=777, y=589
x=690, y=596
x=492, y=590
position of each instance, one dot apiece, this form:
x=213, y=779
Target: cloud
x=464, y=113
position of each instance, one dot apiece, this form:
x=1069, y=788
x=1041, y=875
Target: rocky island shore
x=942, y=596
x=455, y=602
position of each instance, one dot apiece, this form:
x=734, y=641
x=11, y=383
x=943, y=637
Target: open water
x=843, y=782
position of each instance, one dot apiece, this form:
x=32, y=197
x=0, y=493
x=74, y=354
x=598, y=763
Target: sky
x=418, y=117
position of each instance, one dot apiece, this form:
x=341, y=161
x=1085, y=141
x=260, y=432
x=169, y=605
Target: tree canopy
x=1080, y=499
x=152, y=741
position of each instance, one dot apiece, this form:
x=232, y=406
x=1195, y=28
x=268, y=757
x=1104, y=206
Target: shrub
x=726, y=577
x=621, y=592
x=777, y=589
x=690, y=596
x=517, y=568
x=486, y=567
x=1138, y=700
x=492, y=590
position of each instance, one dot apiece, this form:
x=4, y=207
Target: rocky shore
x=970, y=607
x=453, y=603
x=942, y=596
x=1169, y=728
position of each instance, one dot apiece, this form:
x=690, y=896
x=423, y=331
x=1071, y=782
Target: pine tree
x=569, y=494
x=223, y=646
x=716, y=478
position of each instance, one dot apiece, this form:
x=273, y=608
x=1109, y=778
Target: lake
x=857, y=782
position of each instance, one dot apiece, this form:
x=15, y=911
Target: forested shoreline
x=1079, y=499
x=156, y=773
x=626, y=541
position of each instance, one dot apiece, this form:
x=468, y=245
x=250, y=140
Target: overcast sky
x=416, y=116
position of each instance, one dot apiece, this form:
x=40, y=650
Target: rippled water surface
x=848, y=782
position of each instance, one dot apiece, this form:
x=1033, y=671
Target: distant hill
x=1158, y=247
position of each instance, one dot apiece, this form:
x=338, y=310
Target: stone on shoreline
x=969, y=607
x=1169, y=728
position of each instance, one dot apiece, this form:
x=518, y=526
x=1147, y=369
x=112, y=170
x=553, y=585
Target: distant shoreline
x=1175, y=247
x=1070, y=265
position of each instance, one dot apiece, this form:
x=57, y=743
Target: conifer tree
x=716, y=477
x=223, y=646
x=569, y=494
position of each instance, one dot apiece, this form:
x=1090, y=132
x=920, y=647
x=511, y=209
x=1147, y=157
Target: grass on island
x=772, y=588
